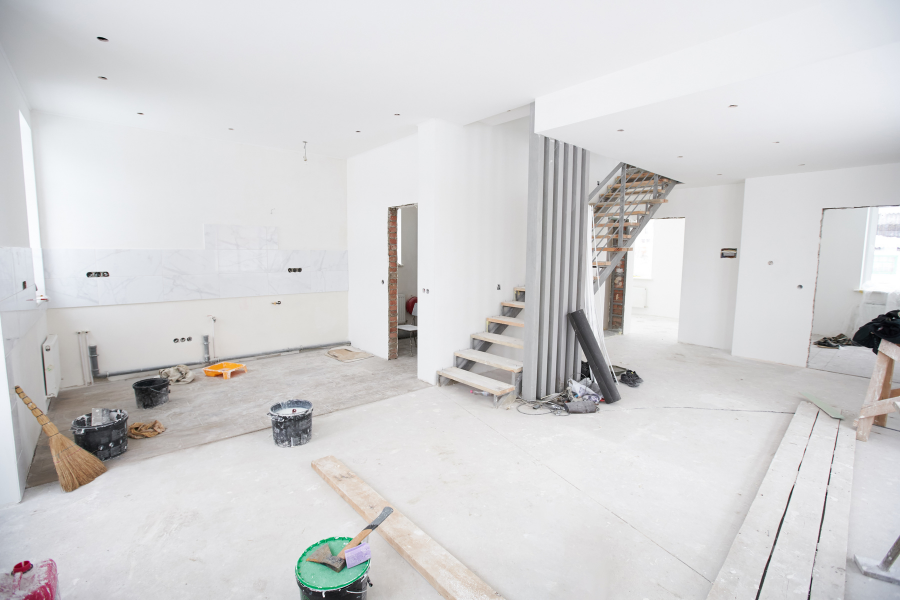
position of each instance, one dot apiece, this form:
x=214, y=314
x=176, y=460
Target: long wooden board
x=452, y=579
x=790, y=569
x=829, y=571
x=740, y=575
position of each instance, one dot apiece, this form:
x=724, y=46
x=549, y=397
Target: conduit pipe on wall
x=86, y=374
x=230, y=358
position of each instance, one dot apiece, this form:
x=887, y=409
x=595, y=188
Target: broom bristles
x=75, y=466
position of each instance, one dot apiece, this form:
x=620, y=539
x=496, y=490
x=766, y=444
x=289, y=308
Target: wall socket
x=187, y=339
x=294, y=270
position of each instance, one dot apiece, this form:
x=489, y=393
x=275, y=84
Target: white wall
x=841, y=253
x=712, y=221
x=407, y=274
x=380, y=178
x=23, y=325
x=664, y=284
x=470, y=184
x=781, y=223
x=136, y=199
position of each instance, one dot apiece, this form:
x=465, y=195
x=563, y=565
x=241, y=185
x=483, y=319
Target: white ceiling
x=824, y=83
x=283, y=71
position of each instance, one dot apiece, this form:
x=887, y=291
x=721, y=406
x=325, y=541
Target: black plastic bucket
x=103, y=441
x=350, y=584
x=151, y=392
x=291, y=422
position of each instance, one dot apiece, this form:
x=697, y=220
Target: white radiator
x=401, y=308
x=52, y=372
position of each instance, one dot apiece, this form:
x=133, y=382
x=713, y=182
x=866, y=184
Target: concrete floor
x=849, y=360
x=210, y=409
x=640, y=500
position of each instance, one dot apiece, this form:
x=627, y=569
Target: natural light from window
x=643, y=253
x=881, y=269
x=31, y=206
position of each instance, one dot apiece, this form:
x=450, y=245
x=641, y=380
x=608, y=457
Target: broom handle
x=48, y=427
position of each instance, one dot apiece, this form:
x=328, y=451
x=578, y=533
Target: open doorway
x=858, y=279
x=403, y=260
x=652, y=280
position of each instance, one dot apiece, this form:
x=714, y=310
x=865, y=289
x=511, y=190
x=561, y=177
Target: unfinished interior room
x=282, y=285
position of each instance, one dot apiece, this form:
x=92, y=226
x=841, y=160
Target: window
x=643, y=253
x=881, y=263
x=31, y=205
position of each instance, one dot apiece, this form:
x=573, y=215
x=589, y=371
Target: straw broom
x=75, y=466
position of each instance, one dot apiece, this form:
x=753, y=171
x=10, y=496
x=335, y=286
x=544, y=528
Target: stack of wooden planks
x=793, y=542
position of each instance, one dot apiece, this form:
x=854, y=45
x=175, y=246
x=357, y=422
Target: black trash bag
x=882, y=327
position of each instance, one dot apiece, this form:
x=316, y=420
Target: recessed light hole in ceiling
x=102, y=39
x=732, y=106
x=620, y=130
x=140, y=113
x=101, y=77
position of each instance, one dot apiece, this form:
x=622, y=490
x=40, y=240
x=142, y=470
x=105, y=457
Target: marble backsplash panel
x=235, y=262
x=19, y=311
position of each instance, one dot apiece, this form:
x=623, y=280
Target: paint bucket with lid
x=318, y=582
x=105, y=441
x=291, y=422
x=149, y=393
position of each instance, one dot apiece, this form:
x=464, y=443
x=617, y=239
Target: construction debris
x=179, y=374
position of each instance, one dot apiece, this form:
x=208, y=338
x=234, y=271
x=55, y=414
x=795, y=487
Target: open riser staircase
x=629, y=199
x=618, y=208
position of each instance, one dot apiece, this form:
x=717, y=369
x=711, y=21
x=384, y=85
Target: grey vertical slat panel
x=555, y=259
x=546, y=253
x=585, y=255
x=577, y=260
x=536, y=169
x=566, y=271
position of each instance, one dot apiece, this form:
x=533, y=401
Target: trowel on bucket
x=337, y=563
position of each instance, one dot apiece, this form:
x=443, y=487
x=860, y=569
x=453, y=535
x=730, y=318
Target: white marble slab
x=334, y=260
x=187, y=262
x=7, y=273
x=210, y=237
x=189, y=287
x=315, y=281
x=240, y=285
x=68, y=262
x=337, y=281
x=252, y=261
x=131, y=290
x=129, y=263
x=271, y=238
x=237, y=237
x=24, y=267
x=68, y=292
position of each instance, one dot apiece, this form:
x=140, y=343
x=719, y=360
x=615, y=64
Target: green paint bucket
x=318, y=582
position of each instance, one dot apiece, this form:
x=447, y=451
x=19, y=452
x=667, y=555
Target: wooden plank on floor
x=790, y=569
x=739, y=577
x=452, y=579
x=829, y=570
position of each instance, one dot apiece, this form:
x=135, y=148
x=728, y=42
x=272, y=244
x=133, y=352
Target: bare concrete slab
x=211, y=408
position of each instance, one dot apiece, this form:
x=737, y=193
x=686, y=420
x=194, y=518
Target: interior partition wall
x=556, y=269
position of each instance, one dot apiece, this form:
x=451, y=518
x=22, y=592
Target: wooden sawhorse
x=879, y=397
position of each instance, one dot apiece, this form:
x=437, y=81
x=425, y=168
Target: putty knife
x=337, y=563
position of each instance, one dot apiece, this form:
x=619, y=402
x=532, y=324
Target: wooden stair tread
x=601, y=263
x=613, y=235
x=511, y=321
x=513, y=304
x=479, y=382
x=616, y=215
x=492, y=360
x=518, y=289
x=633, y=202
x=612, y=249
x=496, y=338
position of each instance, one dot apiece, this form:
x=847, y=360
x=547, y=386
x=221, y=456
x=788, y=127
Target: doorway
x=403, y=278
x=858, y=278
x=645, y=294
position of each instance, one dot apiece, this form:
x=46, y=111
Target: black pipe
x=591, y=349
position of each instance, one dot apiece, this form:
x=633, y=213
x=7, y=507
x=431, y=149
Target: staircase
x=630, y=196
x=478, y=353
